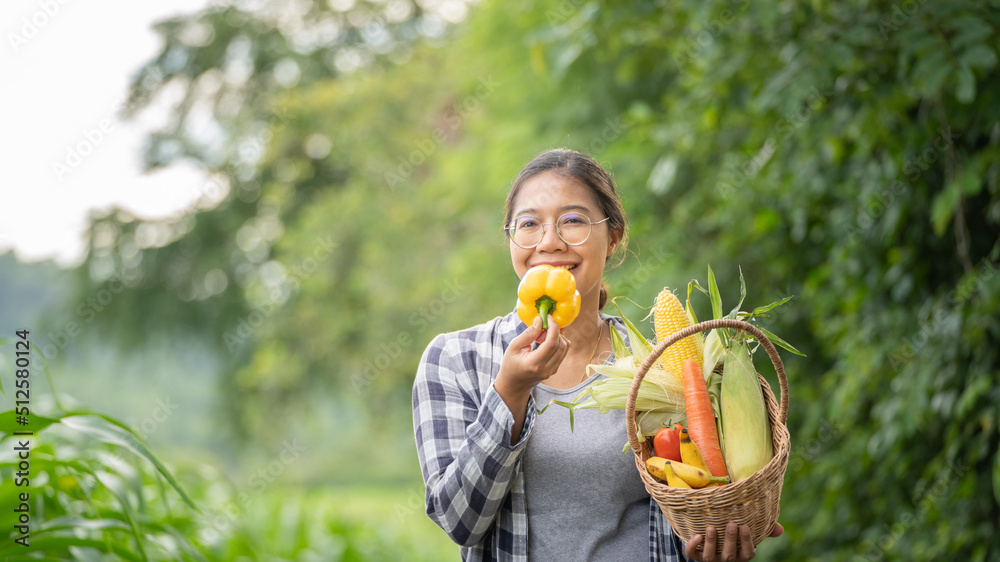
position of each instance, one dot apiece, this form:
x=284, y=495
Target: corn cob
x=745, y=423
x=669, y=317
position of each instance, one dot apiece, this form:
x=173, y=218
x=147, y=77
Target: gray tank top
x=584, y=497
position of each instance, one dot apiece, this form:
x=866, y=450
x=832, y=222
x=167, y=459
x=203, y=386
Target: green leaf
x=618, y=345
x=969, y=30
x=8, y=423
x=568, y=405
x=767, y=307
x=696, y=285
x=74, y=522
x=712, y=353
x=932, y=71
x=965, y=85
x=943, y=208
x=624, y=368
x=640, y=345
x=661, y=179
x=687, y=305
x=107, y=430
x=714, y=384
x=743, y=295
x=978, y=56
x=713, y=290
x=970, y=183
x=117, y=488
x=48, y=377
x=780, y=342
x=59, y=543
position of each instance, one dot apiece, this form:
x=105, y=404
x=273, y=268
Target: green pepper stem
x=545, y=304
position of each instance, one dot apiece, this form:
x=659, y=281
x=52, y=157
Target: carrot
x=701, y=418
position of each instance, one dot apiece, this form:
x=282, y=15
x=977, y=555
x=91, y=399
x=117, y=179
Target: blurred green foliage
x=98, y=496
x=844, y=153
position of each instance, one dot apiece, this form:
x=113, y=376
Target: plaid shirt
x=473, y=477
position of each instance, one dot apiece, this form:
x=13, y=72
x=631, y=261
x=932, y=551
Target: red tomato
x=667, y=444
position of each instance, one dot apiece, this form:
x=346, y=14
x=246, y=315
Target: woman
x=504, y=482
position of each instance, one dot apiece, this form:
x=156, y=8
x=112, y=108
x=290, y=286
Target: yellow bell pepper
x=546, y=290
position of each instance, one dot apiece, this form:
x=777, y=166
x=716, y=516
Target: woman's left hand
x=729, y=552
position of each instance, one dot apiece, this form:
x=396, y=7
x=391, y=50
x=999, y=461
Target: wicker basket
x=753, y=501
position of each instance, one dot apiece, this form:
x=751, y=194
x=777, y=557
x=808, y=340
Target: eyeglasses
x=572, y=228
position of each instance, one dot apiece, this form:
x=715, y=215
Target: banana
x=659, y=467
x=690, y=453
x=694, y=476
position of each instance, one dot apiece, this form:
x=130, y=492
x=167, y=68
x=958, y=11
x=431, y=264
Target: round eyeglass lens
x=572, y=228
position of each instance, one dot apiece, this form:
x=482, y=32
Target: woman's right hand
x=522, y=367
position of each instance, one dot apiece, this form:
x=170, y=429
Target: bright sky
x=66, y=65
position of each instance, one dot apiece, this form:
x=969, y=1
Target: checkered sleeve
x=463, y=432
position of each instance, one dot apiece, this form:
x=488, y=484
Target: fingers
x=691, y=550
x=747, y=549
x=543, y=361
x=729, y=544
x=777, y=530
x=524, y=339
x=708, y=551
x=553, y=350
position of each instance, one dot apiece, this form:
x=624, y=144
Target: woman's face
x=546, y=197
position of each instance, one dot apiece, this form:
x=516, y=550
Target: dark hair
x=586, y=170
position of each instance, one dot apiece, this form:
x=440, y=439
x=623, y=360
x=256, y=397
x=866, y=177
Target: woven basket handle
x=658, y=349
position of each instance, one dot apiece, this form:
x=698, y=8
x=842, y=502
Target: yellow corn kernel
x=669, y=317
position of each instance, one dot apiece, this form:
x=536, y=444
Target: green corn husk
x=714, y=352
x=655, y=406
x=747, y=445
